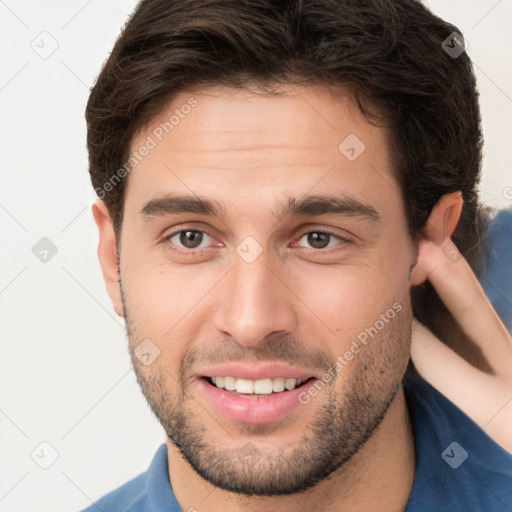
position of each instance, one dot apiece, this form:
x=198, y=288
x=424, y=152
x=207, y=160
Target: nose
x=254, y=302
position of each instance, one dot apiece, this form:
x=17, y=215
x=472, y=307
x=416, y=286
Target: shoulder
x=129, y=497
x=458, y=466
x=495, y=274
x=150, y=491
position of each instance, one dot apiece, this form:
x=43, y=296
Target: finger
x=482, y=397
x=459, y=289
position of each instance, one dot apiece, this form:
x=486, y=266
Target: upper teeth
x=257, y=387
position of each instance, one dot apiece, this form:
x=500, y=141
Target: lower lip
x=253, y=408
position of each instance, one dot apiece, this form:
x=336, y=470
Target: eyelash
x=341, y=239
x=167, y=238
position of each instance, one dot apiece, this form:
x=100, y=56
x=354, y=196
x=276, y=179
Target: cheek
x=161, y=299
x=343, y=302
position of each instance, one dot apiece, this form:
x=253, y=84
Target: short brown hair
x=389, y=53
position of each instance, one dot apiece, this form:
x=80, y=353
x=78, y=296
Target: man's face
x=296, y=266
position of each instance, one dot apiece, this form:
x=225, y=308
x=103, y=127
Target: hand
x=485, y=397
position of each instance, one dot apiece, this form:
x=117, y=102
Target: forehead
x=230, y=141
x=228, y=119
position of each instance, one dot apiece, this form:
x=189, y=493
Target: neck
x=378, y=477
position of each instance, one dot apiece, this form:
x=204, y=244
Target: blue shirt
x=496, y=273
x=459, y=468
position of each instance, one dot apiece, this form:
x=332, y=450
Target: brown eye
x=189, y=239
x=319, y=240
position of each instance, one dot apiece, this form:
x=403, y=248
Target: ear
x=107, y=254
x=438, y=229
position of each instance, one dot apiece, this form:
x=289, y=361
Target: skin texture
x=295, y=304
x=486, y=397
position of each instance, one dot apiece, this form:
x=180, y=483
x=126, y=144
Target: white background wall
x=65, y=375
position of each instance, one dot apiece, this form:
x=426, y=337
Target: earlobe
x=107, y=254
x=439, y=228
x=421, y=270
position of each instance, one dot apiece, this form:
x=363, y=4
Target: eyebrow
x=172, y=204
x=308, y=206
x=328, y=204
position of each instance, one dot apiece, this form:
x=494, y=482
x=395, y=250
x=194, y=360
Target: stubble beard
x=346, y=414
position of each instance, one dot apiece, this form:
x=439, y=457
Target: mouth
x=254, y=388
x=256, y=393
x=254, y=401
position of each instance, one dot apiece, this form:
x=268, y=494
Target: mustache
x=273, y=349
